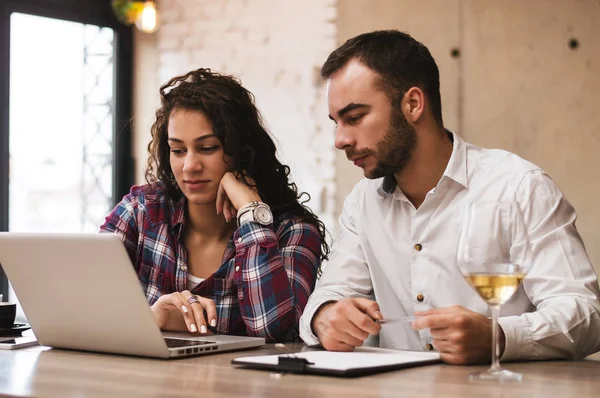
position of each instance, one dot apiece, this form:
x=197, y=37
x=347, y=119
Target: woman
x=217, y=236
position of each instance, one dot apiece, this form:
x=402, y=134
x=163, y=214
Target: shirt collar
x=457, y=165
x=178, y=212
x=455, y=170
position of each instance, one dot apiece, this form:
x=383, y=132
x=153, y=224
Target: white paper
x=362, y=357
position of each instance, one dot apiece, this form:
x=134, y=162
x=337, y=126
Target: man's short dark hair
x=401, y=62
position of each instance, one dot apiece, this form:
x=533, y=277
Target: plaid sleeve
x=122, y=222
x=276, y=274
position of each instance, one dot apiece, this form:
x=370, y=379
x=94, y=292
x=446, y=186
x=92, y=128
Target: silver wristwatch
x=255, y=211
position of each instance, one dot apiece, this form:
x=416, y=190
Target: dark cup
x=8, y=311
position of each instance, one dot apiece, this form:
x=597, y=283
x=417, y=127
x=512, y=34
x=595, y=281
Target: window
x=64, y=134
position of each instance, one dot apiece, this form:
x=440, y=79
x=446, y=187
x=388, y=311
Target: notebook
x=361, y=362
x=81, y=292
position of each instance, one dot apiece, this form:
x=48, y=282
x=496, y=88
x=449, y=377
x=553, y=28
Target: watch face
x=263, y=215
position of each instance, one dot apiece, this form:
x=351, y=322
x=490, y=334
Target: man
x=399, y=227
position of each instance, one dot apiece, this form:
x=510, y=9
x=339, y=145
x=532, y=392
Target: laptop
x=81, y=292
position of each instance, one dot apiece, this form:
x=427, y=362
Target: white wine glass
x=494, y=255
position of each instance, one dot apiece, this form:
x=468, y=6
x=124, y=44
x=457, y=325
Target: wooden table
x=44, y=372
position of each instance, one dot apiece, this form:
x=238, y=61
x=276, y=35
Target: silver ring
x=193, y=299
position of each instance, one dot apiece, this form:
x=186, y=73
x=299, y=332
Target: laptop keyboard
x=176, y=343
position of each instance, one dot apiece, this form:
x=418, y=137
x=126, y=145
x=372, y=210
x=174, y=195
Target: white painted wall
x=276, y=48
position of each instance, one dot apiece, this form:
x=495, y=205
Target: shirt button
x=429, y=347
x=183, y=268
x=237, y=268
x=239, y=240
x=418, y=247
x=420, y=298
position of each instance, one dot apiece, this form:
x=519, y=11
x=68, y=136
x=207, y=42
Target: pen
x=406, y=319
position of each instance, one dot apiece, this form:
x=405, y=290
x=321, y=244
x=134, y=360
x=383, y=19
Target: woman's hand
x=233, y=194
x=168, y=309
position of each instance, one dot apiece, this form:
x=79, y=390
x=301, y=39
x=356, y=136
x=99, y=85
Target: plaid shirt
x=265, y=278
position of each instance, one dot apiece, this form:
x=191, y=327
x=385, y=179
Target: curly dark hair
x=238, y=124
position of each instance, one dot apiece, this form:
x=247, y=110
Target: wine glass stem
x=495, y=344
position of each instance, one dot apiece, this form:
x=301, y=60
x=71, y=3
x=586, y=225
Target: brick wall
x=276, y=48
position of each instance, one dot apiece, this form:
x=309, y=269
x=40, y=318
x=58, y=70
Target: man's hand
x=346, y=324
x=461, y=336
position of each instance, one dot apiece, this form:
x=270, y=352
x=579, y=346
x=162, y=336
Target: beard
x=395, y=149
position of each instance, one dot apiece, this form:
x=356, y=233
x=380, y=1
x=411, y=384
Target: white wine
x=496, y=289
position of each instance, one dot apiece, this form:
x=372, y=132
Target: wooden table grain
x=44, y=372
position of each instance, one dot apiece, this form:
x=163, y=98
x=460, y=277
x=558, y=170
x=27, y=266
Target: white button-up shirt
x=405, y=258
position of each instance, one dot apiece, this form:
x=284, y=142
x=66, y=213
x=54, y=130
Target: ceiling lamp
x=141, y=13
